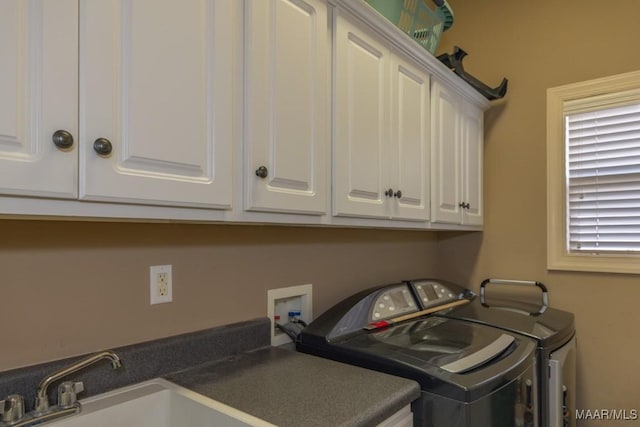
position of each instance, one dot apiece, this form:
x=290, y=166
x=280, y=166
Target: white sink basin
x=156, y=403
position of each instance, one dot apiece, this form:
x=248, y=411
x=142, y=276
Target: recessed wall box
x=282, y=301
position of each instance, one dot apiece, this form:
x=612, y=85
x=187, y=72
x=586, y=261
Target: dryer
x=552, y=329
x=470, y=374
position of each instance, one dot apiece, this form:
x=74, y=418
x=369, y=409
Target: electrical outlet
x=160, y=284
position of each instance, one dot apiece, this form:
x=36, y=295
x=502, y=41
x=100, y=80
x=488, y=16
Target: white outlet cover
x=159, y=292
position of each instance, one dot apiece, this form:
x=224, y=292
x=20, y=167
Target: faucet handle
x=67, y=393
x=12, y=408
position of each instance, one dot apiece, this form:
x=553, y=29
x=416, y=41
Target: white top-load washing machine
x=470, y=374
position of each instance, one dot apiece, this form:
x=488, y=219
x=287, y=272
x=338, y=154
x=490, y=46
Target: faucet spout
x=42, y=401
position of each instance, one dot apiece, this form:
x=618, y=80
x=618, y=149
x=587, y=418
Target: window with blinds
x=593, y=175
x=603, y=180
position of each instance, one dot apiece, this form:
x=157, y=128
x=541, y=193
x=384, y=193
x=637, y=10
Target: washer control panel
x=393, y=302
x=433, y=293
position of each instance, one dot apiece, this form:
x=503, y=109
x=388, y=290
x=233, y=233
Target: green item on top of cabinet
x=415, y=18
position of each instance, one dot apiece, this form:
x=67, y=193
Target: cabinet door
x=361, y=122
x=446, y=195
x=472, y=127
x=156, y=81
x=286, y=105
x=38, y=96
x=410, y=140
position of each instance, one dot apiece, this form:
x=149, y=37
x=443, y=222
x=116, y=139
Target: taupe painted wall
x=537, y=45
x=69, y=288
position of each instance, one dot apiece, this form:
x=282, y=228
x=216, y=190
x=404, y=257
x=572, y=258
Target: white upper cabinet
x=473, y=156
x=381, y=131
x=457, y=156
x=446, y=190
x=38, y=97
x=286, y=124
x=317, y=112
x=410, y=140
x=156, y=102
x=361, y=122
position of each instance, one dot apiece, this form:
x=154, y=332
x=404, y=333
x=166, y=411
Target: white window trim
x=558, y=257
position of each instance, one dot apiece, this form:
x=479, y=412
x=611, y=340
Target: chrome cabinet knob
x=102, y=146
x=262, y=172
x=62, y=139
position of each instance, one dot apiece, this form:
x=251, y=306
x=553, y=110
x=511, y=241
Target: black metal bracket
x=454, y=62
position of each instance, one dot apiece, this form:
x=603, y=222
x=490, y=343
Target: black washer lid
x=550, y=329
x=446, y=356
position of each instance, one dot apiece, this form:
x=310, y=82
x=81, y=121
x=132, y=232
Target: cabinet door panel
x=446, y=157
x=410, y=138
x=158, y=86
x=472, y=146
x=38, y=96
x=287, y=92
x=361, y=123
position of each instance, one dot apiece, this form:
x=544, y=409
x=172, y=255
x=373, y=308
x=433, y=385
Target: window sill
x=625, y=264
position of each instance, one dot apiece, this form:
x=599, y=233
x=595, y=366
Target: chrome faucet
x=12, y=408
x=42, y=401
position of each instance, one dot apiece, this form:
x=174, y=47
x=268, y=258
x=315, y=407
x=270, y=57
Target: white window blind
x=603, y=180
